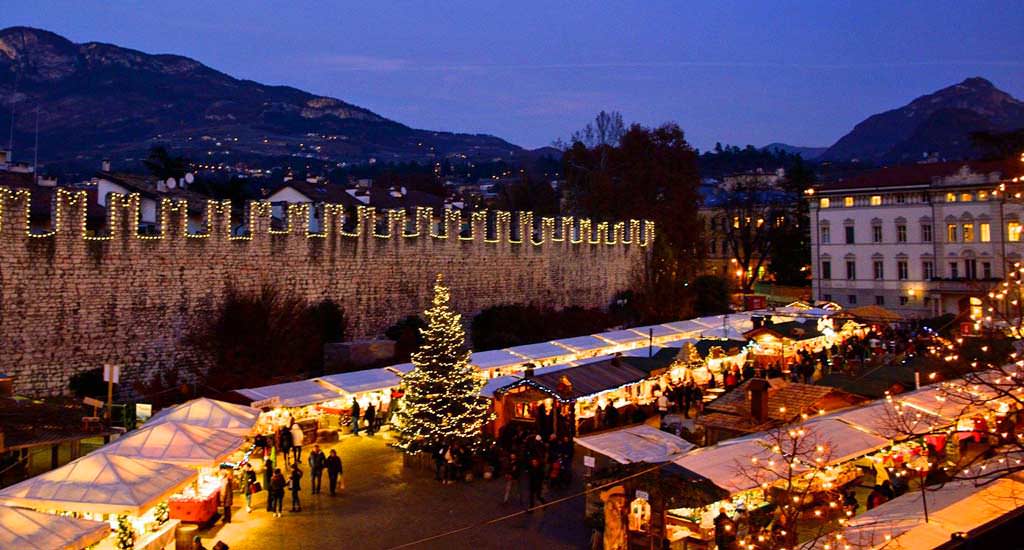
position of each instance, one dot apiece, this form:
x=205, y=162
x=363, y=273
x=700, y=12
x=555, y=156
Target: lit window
x=876, y=200
x=950, y=197
x=1013, y=231
x=824, y=203
x=951, y=232
x=976, y=308
x=847, y=201
x=968, y=232
x=966, y=197
x=982, y=195
x=985, y=232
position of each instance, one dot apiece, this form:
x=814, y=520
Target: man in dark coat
x=355, y=417
x=316, y=460
x=334, y=470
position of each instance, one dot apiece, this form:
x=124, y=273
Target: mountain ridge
x=938, y=123
x=98, y=99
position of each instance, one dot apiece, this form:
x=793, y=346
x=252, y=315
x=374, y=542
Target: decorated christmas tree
x=442, y=402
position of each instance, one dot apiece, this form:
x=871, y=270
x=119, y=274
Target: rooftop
x=922, y=175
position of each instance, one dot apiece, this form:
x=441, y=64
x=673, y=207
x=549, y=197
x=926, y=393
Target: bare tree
x=752, y=213
x=606, y=130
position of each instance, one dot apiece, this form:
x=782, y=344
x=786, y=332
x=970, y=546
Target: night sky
x=737, y=72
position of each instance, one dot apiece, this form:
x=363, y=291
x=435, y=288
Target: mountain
x=808, y=153
x=939, y=123
x=98, y=100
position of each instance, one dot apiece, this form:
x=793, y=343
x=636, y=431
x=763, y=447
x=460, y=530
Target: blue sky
x=737, y=72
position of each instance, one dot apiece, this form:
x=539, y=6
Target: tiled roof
x=921, y=174
x=795, y=397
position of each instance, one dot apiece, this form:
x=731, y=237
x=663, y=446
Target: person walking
x=295, y=487
x=277, y=485
x=663, y=403
x=248, y=485
x=535, y=472
x=286, y=445
x=334, y=471
x=317, y=460
x=298, y=438
x=268, y=480
x=371, y=417
x=513, y=470
x=355, y=417
x=229, y=494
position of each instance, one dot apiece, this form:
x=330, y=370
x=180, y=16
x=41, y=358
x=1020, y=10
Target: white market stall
x=640, y=443
x=496, y=362
x=184, y=444
x=209, y=413
x=542, y=354
x=30, y=530
x=103, y=486
x=298, y=401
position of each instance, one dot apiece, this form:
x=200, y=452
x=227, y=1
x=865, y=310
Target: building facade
x=920, y=240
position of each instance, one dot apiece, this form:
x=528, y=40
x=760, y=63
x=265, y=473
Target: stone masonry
x=71, y=300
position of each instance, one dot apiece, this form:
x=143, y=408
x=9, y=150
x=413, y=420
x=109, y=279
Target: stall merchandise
x=198, y=502
x=29, y=530
x=210, y=413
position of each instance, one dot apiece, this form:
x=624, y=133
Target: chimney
x=758, y=389
x=528, y=373
x=757, y=320
x=105, y=165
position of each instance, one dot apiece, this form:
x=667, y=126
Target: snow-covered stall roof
x=176, y=443
x=101, y=483
x=30, y=530
x=729, y=464
x=210, y=413
x=292, y=394
x=641, y=443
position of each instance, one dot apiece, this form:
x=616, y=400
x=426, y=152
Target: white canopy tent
x=494, y=359
x=292, y=394
x=367, y=380
x=620, y=337
x=210, y=413
x=177, y=443
x=581, y=344
x=543, y=351
x=101, y=483
x=641, y=443
x=729, y=464
x=30, y=530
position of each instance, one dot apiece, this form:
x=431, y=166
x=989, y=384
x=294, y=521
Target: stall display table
x=198, y=507
x=160, y=539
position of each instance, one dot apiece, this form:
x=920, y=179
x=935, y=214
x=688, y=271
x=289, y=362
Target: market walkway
x=386, y=505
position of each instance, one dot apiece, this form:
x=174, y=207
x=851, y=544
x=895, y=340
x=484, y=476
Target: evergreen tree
x=442, y=400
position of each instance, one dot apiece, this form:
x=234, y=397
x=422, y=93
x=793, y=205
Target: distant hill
x=939, y=123
x=98, y=99
x=807, y=153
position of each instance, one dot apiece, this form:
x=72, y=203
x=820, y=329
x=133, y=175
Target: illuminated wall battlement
x=73, y=297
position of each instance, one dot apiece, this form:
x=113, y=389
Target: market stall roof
x=659, y=331
x=581, y=343
x=539, y=351
x=686, y=327
x=101, y=483
x=585, y=380
x=729, y=464
x=843, y=441
x=494, y=358
x=794, y=330
x=960, y=506
x=728, y=332
x=30, y=530
x=872, y=313
x=622, y=336
x=495, y=384
x=292, y=394
x=367, y=380
x=210, y=413
x=176, y=443
x=641, y=443
x=660, y=361
x=881, y=418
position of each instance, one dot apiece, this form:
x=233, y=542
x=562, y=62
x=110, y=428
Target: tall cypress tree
x=442, y=400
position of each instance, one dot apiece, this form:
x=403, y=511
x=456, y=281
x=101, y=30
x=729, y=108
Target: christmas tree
x=442, y=402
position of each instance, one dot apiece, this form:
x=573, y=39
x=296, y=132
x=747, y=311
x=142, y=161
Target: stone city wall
x=71, y=300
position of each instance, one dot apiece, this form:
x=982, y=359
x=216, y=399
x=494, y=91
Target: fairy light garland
x=126, y=210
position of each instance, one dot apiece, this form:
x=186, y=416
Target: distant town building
x=921, y=239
